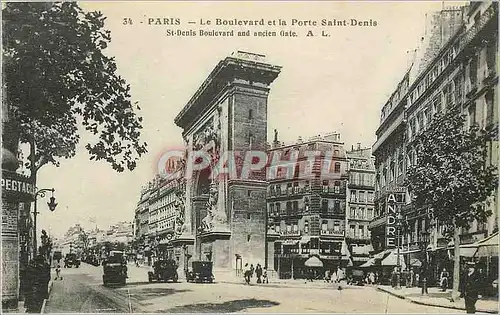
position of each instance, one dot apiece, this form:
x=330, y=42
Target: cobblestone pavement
x=81, y=290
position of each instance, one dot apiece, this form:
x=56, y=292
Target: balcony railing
x=358, y=236
x=332, y=232
x=290, y=233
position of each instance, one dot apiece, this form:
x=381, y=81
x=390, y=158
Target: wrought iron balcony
x=332, y=232
x=290, y=233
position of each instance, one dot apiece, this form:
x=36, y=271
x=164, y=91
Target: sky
x=336, y=83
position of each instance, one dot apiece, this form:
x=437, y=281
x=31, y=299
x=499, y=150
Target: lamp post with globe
x=52, y=206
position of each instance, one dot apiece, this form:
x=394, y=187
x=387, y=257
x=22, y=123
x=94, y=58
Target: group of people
x=335, y=276
x=260, y=273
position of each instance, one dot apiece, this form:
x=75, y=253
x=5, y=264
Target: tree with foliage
x=452, y=178
x=58, y=78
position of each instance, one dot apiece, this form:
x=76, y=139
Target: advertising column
x=15, y=189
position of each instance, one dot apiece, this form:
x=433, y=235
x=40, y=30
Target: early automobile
x=114, y=269
x=201, y=272
x=163, y=270
x=357, y=277
x=70, y=260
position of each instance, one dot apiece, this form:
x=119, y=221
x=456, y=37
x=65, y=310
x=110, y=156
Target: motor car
x=114, y=269
x=201, y=272
x=70, y=260
x=163, y=270
x=57, y=256
x=357, y=277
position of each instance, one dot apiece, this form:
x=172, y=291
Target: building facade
x=360, y=201
x=456, y=68
x=307, y=206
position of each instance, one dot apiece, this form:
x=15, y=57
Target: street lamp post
x=52, y=206
x=398, y=263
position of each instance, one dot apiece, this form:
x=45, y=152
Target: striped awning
x=369, y=263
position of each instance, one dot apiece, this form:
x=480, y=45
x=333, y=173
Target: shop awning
x=414, y=262
x=358, y=258
x=483, y=248
x=305, y=239
x=361, y=251
x=468, y=251
x=349, y=263
x=313, y=261
x=381, y=255
x=369, y=263
x=392, y=260
x=405, y=252
x=488, y=246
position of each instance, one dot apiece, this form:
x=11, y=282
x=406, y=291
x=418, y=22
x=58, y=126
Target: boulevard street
x=81, y=290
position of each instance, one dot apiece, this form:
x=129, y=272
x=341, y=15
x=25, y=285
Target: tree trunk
x=456, y=264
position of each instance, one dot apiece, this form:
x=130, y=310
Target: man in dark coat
x=471, y=287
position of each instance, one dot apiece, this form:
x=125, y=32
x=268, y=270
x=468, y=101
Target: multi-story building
x=456, y=68
x=307, y=206
x=360, y=201
x=155, y=215
x=141, y=222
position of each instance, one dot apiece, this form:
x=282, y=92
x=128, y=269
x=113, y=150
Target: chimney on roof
x=352, y=147
x=359, y=146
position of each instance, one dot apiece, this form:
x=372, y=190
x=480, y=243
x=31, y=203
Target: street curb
x=43, y=306
x=434, y=304
x=284, y=285
x=50, y=286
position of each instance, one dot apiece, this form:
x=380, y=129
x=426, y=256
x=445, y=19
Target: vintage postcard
x=267, y=156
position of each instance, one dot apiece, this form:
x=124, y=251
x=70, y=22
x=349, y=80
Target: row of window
x=167, y=199
x=360, y=164
x=303, y=205
x=361, y=179
x=361, y=196
x=333, y=186
x=359, y=231
x=293, y=228
x=166, y=212
x=361, y=213
x=301, y=168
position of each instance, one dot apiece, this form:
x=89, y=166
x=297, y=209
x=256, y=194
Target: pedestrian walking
x=471, y=287
x=327, y=276
x=252, y=270
x=372, y=277
x=58, y=272
x=246, y=273
x=443, y=280
x=264, y=276
x=258, y=273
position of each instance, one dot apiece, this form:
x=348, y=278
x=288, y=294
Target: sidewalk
x=290, y=283
x=439, y=299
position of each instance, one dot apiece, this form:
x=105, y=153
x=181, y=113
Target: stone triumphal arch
x=224, y=217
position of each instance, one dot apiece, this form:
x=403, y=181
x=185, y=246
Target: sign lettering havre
x=395, y=200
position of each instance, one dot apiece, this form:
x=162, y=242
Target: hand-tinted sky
x=329, y=84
